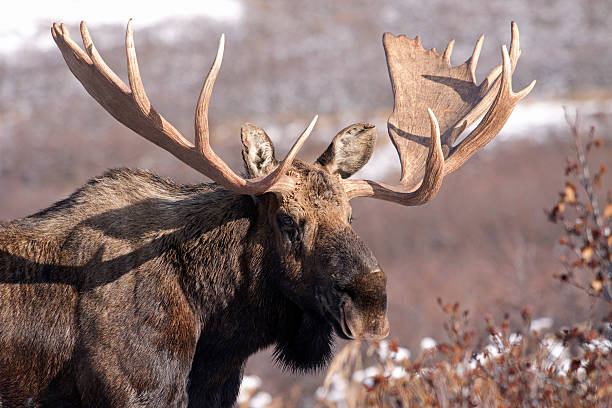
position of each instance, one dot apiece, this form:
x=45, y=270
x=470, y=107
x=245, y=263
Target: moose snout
x=364, y=306
x=365, y=324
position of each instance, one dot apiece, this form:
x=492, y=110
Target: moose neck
x=228, y=268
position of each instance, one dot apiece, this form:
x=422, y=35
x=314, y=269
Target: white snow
x=260, y=400
x=369, y=382
x=427, y=343
x=248, y=386
x=384, y=352
x=336, y=392
x=25, y=24
x=554, y=347
x=361, y=375
x=540, y=324
x=250, y=382
x=401, y=354
x=398, y=372
x=603, y=345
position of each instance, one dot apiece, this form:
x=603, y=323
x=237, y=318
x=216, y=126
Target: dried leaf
x=608, y=211
x=457, y=354
x=570, y=193
x=556, y=212
x=587, y=253
x=527, y=313
x=597, y=179
x=505, y=326
x=444, y=348
x=394, y=346
x=560, y=207
x=597, y=285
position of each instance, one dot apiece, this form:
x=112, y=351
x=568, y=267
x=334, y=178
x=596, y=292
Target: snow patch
x=26, y=26
x=427, y=343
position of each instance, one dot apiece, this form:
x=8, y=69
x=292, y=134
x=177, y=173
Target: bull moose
x=137, y=291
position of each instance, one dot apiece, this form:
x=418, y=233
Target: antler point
x=525, y=91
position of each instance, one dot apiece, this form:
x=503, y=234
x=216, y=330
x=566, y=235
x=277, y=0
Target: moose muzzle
x=364, y=307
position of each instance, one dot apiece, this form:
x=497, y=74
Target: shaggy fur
x=136, y=291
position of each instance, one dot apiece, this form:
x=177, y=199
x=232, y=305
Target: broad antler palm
x=130, y=106
x=425, y=82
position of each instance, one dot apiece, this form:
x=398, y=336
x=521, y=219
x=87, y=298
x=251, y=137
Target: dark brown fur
x=136, y=291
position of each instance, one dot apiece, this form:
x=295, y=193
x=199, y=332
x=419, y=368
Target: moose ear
x=350, y=150
x=258, y=151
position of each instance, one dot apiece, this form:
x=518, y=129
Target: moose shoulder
x=136, y=291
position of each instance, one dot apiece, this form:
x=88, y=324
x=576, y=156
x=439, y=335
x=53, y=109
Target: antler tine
x=131, y=106
x=201, y=119
x=491, y=82
x=434, y=167
x=449, y=50
x=114, y=95
x=218, y=167
x=494, y=119
x=515, y=48
x=97, y=60
x=473, y=61
x=138, y=92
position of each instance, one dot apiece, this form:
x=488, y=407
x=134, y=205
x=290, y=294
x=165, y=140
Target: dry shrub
x=506, y=368
x=587, y=239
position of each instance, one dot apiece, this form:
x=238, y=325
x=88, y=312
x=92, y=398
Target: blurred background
x=484, y=241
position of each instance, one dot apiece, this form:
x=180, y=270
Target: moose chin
x=137, y=291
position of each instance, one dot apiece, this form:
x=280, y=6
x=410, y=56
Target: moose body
x=103, y=291
x=136, y=291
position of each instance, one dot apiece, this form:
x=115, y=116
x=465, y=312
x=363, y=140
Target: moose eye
x=285, y=221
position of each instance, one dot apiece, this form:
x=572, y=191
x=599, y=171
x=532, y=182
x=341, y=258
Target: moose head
x=326, y=268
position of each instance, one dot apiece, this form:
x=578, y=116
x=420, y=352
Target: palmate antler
x=425, y=82
x=130, y=106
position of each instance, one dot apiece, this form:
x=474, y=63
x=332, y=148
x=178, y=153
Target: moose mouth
x=345, y=331
x=341, y=325
x=342, y=319
x=337, y=318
